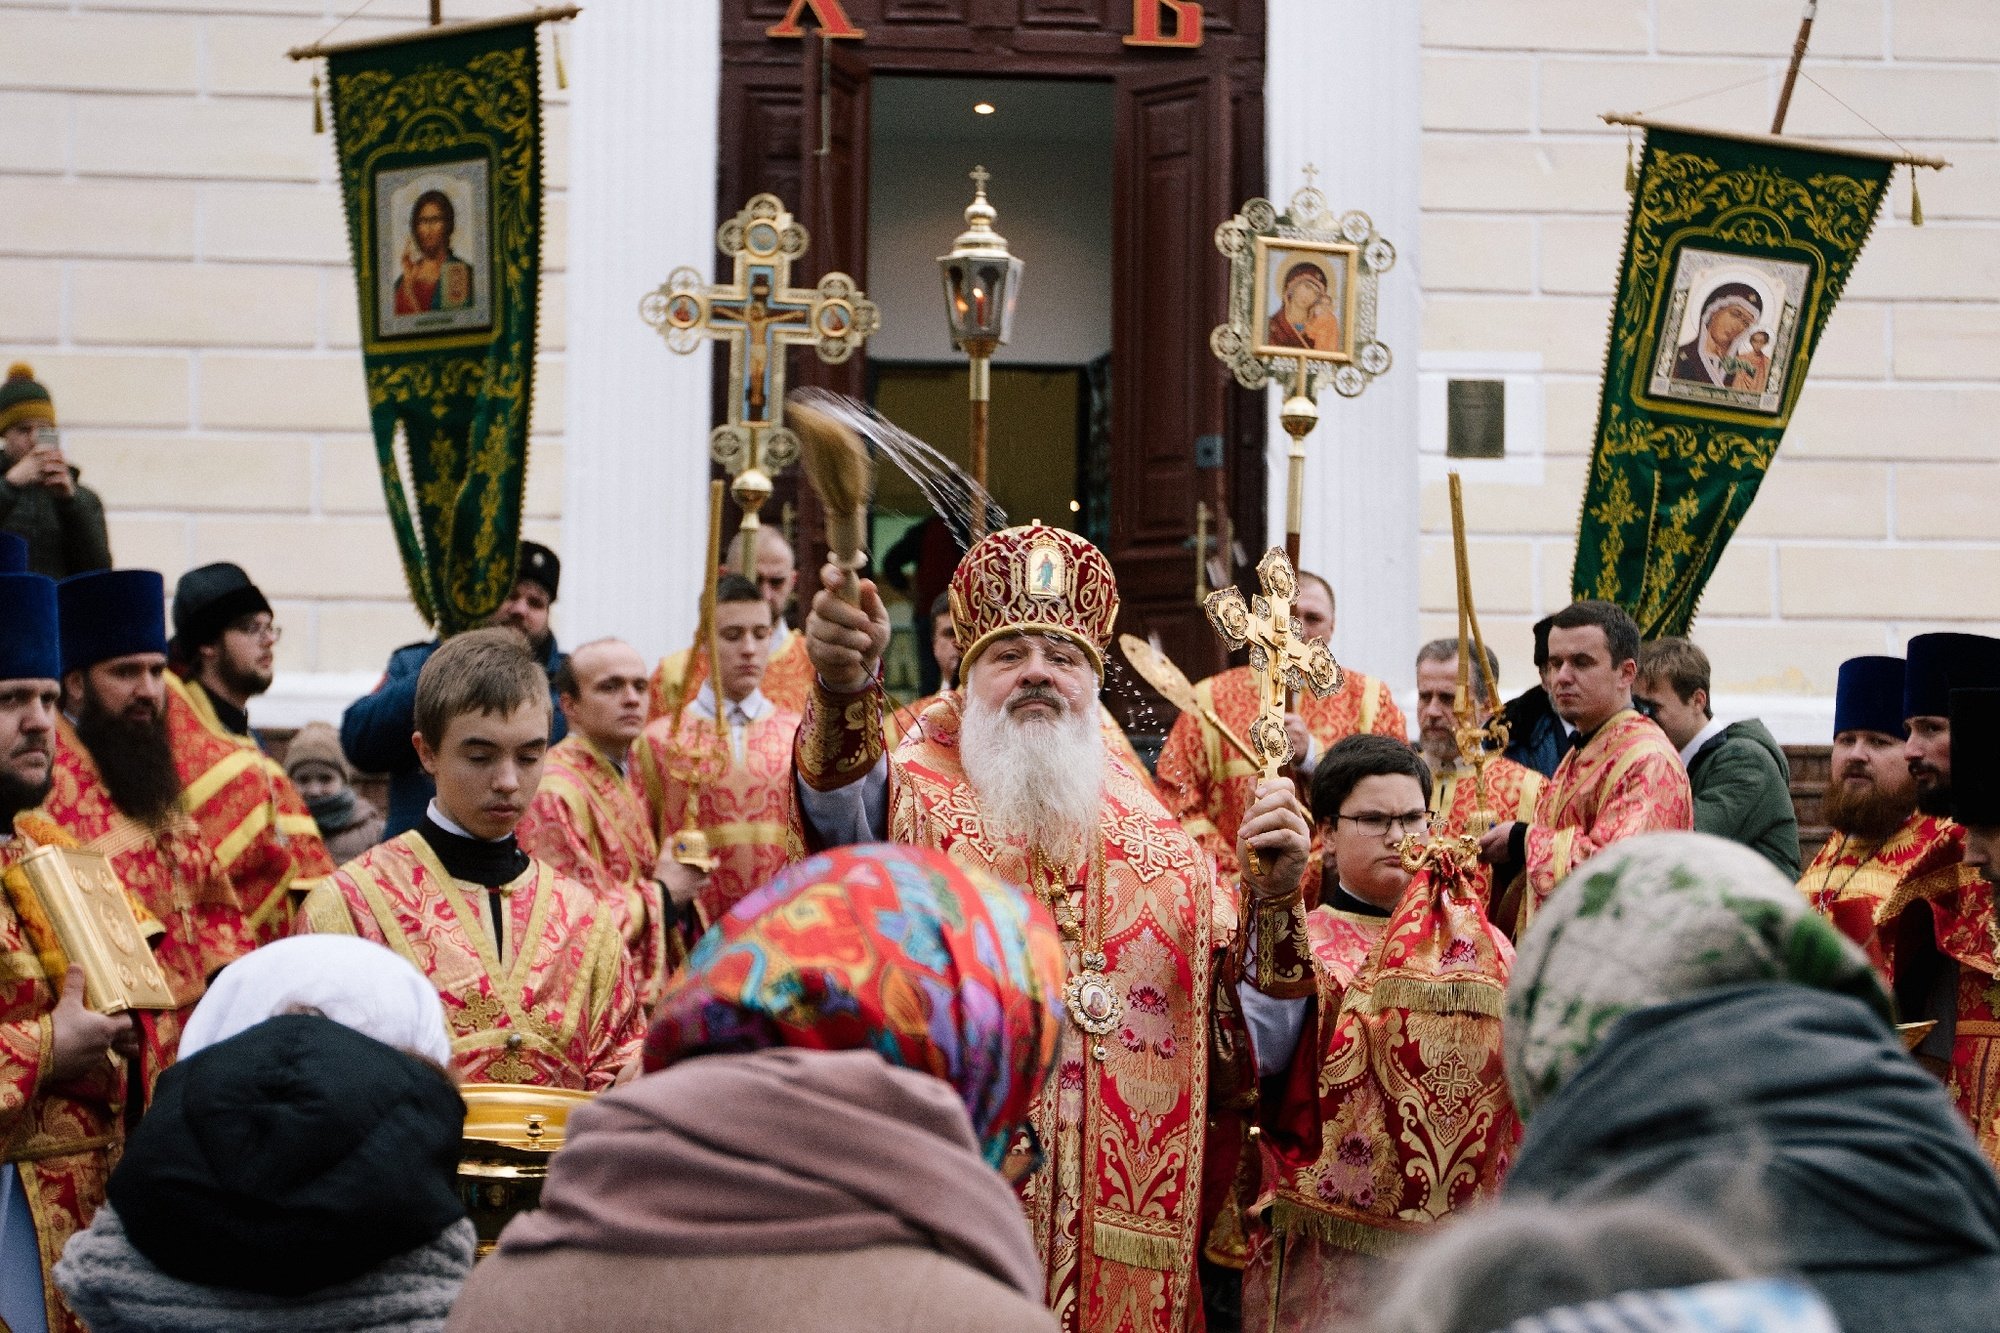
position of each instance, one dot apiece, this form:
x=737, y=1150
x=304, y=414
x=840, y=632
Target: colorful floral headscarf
x=896, y=950
x=1654, y=919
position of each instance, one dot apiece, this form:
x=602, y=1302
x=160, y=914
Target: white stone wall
x=173, y=262
x=174, y=265
x=1878, y=519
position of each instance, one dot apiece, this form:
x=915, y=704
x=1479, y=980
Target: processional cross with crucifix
x=760, y=314
x=1280, y=653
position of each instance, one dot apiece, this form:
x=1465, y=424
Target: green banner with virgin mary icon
x=1735, y=254
x=439, y=143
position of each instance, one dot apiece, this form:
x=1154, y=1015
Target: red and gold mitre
x=1035, y=579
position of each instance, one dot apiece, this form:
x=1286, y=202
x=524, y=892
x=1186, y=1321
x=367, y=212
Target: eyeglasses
x=1407, y=825
x=262, y=630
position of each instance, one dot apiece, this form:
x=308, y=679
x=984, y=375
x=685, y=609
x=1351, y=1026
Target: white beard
x=1040, y=781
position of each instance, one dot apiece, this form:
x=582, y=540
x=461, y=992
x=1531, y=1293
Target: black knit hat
x=209, y=600
x=21, y=399
x=1975, y=756
x=295, y=1155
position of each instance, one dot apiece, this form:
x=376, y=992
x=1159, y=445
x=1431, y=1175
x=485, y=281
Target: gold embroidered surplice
x=555, y=1004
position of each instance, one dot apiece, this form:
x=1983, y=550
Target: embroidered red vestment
x=1396, y=1110
x=746, y=811
x=1966, y=931
x=788, y=678
x=1862, y=885
x=1625, y=781
x=1114, y=1213
x=63, y=1138
x=589, y=823
x=1511, y=792
x=556, y=1005
x=172, y=872
x=264, y=837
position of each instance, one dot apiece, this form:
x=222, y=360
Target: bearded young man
x=62, y=1076
x=589, y=820
x=1011, y=773
x=1622, y=776
x=1510, y=789
x=736, y=772
x=267, y=840
x=117, y=791
x=1884, y=856
x=1937, y=665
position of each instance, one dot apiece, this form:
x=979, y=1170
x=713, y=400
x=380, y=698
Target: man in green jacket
x=1742, y=784
x=41, y=500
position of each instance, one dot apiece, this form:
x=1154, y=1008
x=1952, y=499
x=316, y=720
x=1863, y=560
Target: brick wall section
x=1877, y=519
x=174, y=264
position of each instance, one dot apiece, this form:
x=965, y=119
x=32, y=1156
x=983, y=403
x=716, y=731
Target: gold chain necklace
x=1828, y=892
x=1089, y=995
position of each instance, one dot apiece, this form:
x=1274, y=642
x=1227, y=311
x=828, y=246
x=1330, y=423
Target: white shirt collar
x=1701, y=738
x=450, y=825
x=751, y=709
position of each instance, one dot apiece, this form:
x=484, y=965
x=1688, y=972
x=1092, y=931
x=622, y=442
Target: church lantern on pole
x=982, y=279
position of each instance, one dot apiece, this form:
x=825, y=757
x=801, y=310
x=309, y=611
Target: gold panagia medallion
x=1093, y=1001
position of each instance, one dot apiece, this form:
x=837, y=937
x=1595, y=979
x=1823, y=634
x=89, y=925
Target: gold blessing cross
x=1280, y=653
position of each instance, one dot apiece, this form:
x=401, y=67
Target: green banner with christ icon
x=439, y=144
x=1735, y=253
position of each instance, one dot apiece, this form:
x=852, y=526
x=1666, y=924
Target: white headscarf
x=351, y=981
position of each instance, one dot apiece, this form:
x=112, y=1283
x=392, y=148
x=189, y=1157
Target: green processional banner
x=440, y=163
x=1735, y=254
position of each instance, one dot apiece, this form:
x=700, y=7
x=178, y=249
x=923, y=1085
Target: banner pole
x=1791, y=74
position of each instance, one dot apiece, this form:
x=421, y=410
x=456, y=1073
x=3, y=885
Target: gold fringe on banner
x=319, y=115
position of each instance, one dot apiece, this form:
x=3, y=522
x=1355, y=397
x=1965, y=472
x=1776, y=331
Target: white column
x=1342, y=92
x=643, y=133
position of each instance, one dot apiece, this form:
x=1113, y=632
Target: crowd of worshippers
x=970, y=1018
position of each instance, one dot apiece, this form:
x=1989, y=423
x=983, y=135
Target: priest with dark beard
x=116, y=790
x=61, y=1076
x=1937, y=664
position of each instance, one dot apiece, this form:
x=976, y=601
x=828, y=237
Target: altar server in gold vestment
x=1510, y=790
x=531, y=969
x=1208, y=785
x=1011, y=774
x=788, y=676
x=1622, y=776
x=588, y=822
x=737, y=771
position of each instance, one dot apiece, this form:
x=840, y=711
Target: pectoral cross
x=760, y=314
x=1280, y=653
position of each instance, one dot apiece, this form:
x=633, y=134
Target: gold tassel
x=555, y=45
x=1631, y=165
x=319, y=116
x=1121, y=1245
x=1289, y=1219
x=1916, y=200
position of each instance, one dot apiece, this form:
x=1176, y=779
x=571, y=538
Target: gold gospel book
x=73, y=909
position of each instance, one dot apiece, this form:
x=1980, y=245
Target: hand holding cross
x=1280, y=653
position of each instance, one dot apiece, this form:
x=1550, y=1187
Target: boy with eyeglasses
x=248, y=810
x=1376, y=1013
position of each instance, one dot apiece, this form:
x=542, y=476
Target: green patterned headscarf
x=1655, y=919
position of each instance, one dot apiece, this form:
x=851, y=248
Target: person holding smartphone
x=41, y=499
